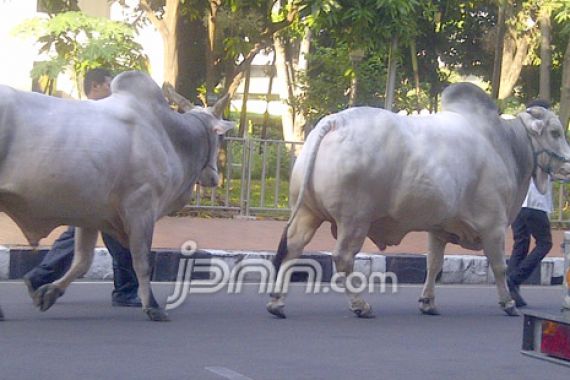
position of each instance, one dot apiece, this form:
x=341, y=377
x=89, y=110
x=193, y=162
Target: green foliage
x=327, y=81
x=561, y=9
x=235, y=186
x=259, y=151
x=365, y=24
x=73, y=40
x=58, y=6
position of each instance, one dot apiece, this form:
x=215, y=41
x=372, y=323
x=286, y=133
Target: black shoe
x=515, y=294
x=133, y=301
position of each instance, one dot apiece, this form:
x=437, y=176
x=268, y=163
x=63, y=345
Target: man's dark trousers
x=529, y=222
x=58, y=260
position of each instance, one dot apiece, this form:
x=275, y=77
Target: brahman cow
x=461, y=175
x=114, y=165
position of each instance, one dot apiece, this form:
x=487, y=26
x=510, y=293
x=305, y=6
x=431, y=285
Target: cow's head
x=210, y=119
x=549, y=145
x=218, y=127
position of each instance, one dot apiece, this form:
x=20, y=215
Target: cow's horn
x=220, y=105
x=173, y=97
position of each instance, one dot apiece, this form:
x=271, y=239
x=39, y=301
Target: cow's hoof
x=510, y=308
x=363, y=311
x=276, y=309
x=429, y=310
x=47, y=295
x=427, y=306
x=156, y=314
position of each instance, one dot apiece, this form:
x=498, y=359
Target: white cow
x=461, y=175
x=114, y=165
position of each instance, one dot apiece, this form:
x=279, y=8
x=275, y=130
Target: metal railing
x=560, y=216
x=256, y=180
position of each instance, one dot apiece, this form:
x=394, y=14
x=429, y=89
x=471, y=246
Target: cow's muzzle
x=209, y=177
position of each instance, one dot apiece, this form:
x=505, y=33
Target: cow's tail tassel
x=325, y=126
x=281, y=250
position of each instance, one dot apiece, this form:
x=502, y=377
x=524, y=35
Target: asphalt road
x=225, y=336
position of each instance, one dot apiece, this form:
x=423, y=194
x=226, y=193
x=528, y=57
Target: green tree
x=76, y=42
x=369, y=25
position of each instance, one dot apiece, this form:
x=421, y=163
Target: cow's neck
x=521, y=158
x=189, y=136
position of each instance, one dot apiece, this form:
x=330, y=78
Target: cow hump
x=138, y=84
x=467, y=98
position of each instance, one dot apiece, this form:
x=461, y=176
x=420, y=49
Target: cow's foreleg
x=349, y=242
x=294, y=239
x=85, y=240
x=140, y=241
x=434, y=265
x=494, y=250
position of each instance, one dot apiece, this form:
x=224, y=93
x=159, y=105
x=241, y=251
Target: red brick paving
x=250, y=235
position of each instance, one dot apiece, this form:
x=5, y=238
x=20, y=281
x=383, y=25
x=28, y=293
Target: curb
x=409, y=268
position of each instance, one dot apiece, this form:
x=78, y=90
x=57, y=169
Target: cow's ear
x=222, y=126
x=533, y=120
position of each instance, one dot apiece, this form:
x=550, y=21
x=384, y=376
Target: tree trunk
x=192, y=40
x=497, y=63
x=243, y=132
x=167, y=28
x=292, y=120
x=391, y=81
x=545, y=54
x=514, y=55
x=416, y=71
x=211, y=46
x=267, y=100
x=288, y=116
x=565, y=90
x=170, y=60
x=302, y=67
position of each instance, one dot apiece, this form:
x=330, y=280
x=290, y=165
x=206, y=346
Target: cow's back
x=66, y=151
x=415, y=171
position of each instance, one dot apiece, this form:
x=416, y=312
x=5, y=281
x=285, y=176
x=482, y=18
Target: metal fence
x=560, y=217
x=255, y=178
x=256, y=181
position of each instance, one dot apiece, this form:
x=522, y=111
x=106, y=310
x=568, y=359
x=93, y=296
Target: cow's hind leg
x=350, y=239
x=294, y=239
x=494, y=250
x=85, y=240
x=434, y=265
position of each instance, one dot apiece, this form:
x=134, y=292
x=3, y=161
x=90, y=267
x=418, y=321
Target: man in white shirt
x=532, y=220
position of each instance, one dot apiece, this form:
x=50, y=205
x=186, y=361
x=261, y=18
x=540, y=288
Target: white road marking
x=227, y=373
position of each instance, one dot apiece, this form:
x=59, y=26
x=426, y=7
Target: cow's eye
x=555, y=134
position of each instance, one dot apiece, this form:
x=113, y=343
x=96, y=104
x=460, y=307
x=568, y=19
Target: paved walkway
x=251, y=235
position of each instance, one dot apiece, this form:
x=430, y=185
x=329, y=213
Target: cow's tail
x=325, y=126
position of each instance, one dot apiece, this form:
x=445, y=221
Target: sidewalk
x=234, y=240
x=253, y=235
